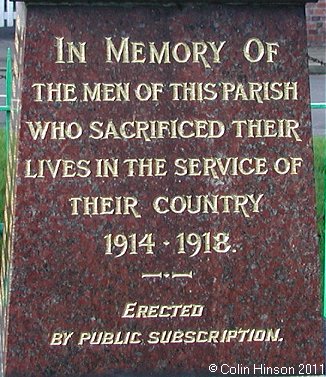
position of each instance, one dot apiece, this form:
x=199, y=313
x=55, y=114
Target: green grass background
x=320, y=173
x=319, y=144
x=2, y=171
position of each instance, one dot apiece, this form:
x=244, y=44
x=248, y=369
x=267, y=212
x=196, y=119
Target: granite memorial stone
x=160, y=201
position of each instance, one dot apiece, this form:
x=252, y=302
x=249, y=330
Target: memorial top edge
x=166, y=2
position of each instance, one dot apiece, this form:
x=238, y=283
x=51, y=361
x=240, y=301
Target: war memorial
x=160, y=197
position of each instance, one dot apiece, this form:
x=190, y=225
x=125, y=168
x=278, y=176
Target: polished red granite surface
x=257, y=304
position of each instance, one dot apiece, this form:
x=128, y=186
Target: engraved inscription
x=129, y=243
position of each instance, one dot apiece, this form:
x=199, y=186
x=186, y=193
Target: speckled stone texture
x=62, y=281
